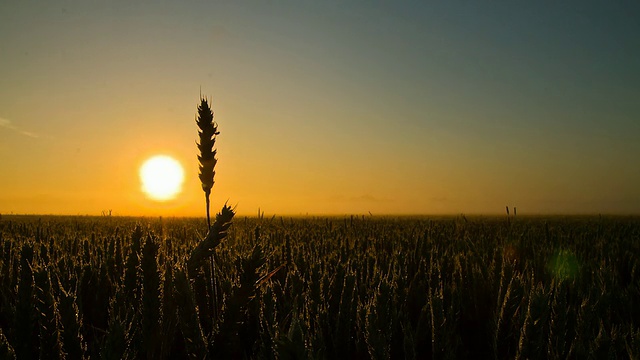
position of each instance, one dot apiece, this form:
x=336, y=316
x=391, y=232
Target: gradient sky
x=324, y=107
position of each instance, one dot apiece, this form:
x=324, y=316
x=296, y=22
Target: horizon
x=269, y=216
x=324, y=109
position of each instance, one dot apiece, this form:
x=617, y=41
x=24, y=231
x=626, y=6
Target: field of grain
x=293, y=288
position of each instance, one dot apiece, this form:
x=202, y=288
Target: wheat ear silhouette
x=207, y=130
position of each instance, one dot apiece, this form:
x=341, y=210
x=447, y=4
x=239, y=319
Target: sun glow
x=162, y=177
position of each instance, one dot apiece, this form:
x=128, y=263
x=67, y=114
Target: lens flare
x=563, y=265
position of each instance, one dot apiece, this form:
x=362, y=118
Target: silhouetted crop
x=208, y=130
x=358, y=288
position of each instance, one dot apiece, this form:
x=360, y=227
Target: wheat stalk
x=6, y=351
x=188, y=317
x=207, y=132
x=150, y=298
x=25, y=315
x=48, y=317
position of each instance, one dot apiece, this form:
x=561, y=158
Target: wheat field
x=320, y=288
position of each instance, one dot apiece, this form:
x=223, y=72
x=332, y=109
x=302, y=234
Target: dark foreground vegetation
x=357, y=288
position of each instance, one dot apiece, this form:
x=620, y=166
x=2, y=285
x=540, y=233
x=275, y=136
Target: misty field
x=350, y=287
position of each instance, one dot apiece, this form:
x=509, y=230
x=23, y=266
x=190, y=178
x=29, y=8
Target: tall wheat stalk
x=207, y=132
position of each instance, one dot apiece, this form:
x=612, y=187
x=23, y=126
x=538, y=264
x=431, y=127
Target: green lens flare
x=563, y=265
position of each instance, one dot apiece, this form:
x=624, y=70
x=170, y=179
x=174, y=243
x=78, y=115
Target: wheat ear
x=206, y=247
x=207, y=131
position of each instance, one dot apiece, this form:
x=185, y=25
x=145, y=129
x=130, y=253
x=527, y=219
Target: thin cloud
x=365, y=198
x=5, y=123
x=369, y=198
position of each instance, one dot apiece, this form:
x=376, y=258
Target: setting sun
x=162, y=177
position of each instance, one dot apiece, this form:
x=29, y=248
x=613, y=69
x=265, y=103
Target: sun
x=162, y=177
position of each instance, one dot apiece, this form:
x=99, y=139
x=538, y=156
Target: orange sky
x=323, y=108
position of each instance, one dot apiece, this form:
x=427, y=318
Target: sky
x=323, y=107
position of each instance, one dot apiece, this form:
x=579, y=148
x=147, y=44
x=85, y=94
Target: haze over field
x=323, y=107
